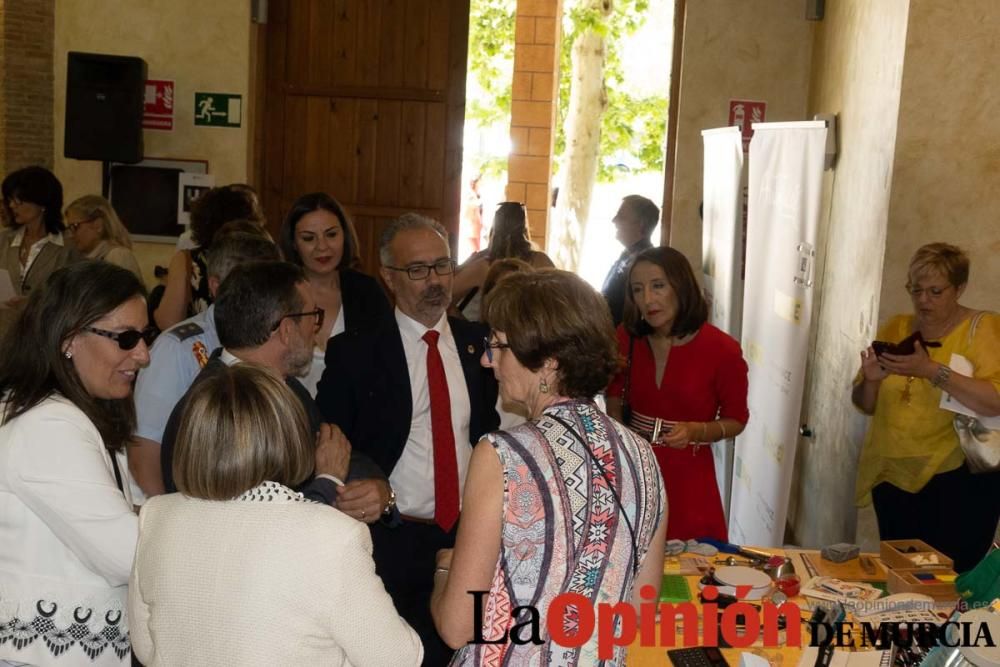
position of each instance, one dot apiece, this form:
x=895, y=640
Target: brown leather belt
x=415, y=519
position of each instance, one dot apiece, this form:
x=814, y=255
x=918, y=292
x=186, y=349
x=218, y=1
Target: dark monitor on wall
x=146, y=196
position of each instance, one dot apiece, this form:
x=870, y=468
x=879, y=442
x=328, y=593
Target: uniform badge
x=200, y=353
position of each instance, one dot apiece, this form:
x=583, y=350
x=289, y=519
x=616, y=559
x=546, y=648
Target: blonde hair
x=241, y=426
x=96, y=207
x=947, y=259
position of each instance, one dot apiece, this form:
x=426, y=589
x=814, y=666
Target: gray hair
x=403, y=223
x=239, y=248
x=645, y=210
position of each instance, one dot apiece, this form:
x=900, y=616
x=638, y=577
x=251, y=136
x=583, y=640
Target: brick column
x=27, y=29
x=533, y=107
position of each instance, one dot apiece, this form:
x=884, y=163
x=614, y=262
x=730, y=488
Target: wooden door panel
x=341, y=156
x=367, y=154
x=390, y=43
x=435, y=135
x=415, y=43
x=388, y=162
x=411, y=154
x=365, y=100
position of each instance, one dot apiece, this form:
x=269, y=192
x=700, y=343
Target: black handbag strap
x=467, y=298
x=628, y=371
x=118, y=473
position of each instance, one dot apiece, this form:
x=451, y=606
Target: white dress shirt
x=413, y=477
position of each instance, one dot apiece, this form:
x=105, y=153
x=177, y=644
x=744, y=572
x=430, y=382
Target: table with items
x=851, y=609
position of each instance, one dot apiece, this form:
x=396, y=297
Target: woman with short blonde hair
x=99, y=234
x=219, y=456
x=912, y=468
x=240, y=569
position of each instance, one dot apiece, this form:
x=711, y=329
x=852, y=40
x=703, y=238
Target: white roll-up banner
x=722, y=255
x=785, y=179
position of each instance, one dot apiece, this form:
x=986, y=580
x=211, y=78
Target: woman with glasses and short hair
x=98, y=233
x=240, y=569
x=509, y=239
x=319, y=236
x=569, y=502
x=912, y=468
x=69, y=530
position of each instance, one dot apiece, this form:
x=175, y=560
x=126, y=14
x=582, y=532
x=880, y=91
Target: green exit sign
x=218, y=109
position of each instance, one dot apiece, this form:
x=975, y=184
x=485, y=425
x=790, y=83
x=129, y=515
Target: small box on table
x=935, y=582
x=909, y=554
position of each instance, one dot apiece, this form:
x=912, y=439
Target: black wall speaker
x=104, y=100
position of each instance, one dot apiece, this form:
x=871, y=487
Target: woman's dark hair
x=509, y=236
x=32, y=363
x=692, y=308
x=318, y=201
x=552, y=314
x=39, y=186
x=216, y=207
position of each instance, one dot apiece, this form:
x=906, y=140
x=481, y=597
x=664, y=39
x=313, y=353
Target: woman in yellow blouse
x=912, y=467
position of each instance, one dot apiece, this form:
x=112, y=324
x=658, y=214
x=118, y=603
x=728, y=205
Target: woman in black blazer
x=318, y=236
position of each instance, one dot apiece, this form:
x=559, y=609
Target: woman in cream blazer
x=238, y=569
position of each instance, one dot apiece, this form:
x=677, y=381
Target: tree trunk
x=587, y=100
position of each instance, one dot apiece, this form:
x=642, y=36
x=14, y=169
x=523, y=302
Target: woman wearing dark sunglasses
x=69, y=531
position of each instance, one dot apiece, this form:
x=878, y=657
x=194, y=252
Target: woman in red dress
x=686, y=372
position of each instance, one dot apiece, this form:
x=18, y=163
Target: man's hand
x=363, y=499
x=333, y=452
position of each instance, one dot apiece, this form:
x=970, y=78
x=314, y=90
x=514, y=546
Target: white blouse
x=68, y=536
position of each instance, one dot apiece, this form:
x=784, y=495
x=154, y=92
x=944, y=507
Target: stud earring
x=68, y=354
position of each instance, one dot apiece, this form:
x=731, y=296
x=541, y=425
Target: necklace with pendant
x=906, y=395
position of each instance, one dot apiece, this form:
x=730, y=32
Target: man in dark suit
x=265, y=314
x=411, y=393
x=634, y=224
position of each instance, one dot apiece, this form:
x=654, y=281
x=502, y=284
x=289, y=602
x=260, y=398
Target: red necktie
x=445, y=463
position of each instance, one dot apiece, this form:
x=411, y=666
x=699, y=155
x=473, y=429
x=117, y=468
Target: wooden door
x=365, y=100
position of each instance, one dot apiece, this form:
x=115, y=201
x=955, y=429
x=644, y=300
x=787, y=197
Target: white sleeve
x=59, y=469
x=366, y=625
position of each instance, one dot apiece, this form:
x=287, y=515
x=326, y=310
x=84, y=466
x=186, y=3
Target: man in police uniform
x=177, y=356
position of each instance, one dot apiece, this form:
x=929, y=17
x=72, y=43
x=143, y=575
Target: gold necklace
x=906, y=395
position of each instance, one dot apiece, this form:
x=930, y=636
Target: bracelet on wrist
x=942, y=376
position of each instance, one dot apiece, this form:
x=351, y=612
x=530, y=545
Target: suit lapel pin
x=472, y=349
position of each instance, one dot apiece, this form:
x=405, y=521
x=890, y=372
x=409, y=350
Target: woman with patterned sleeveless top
x=569, y=502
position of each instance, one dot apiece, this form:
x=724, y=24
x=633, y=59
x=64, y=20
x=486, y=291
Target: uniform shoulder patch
x=185, y=331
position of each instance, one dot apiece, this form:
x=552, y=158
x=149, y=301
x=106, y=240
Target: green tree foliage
x=491, y=66
x=633, y=128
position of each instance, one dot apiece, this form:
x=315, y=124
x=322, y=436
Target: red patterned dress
x=705, y=379
x=566, y=529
